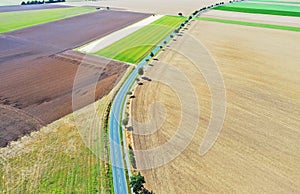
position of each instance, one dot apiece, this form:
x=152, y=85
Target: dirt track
x=258, y=148
x=38, y=69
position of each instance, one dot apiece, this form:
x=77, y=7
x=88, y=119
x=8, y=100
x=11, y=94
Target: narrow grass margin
x=271, y=26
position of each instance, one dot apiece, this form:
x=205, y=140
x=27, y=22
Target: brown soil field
x=38, y=70
x=258, y=149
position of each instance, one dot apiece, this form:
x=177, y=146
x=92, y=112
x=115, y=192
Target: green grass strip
x=10, y=21
x=289, y=28
x=270, y=9
x=137, y=45
x=275, y=1
x=252, y=5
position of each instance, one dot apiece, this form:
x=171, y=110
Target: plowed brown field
x=38, y=69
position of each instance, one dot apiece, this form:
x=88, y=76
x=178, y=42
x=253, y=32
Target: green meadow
x=271, y=9
x=137, y=45
x=10, y=21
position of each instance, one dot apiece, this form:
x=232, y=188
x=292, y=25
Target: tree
x=151, y=54
x=141, y=71
x=125, y=121
x=23, y=3
x=131, y=156
x=180, y=14
x=137, y=182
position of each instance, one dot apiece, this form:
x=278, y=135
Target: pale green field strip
x=271, y=26
x=275, y=1
x=10, y=21
x=137, y=45
x=271, y=9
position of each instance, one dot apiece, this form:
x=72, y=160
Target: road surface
x=118, y=169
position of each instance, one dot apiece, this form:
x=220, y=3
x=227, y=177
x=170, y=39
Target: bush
x=141, y=71
x=41, y=2
x=137, y=182
x=125, y=121
x=151, y=54
x=131, y=156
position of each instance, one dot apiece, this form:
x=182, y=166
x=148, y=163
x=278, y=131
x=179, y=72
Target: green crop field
x=137, y=45
x=271, y=9
x=10, y=21
x=289, y=28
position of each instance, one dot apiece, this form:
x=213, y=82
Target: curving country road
x=118, y=168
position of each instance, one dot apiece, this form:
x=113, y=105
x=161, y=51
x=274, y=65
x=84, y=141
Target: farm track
x=38, y=68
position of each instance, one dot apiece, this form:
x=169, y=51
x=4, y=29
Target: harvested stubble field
x=57, y=159
x=254, y=24
x=167, y=7
x=258, y=149
x=38, y=69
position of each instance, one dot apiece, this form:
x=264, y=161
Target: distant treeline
x=41, y=2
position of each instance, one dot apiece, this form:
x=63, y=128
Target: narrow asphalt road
x=118, y=168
